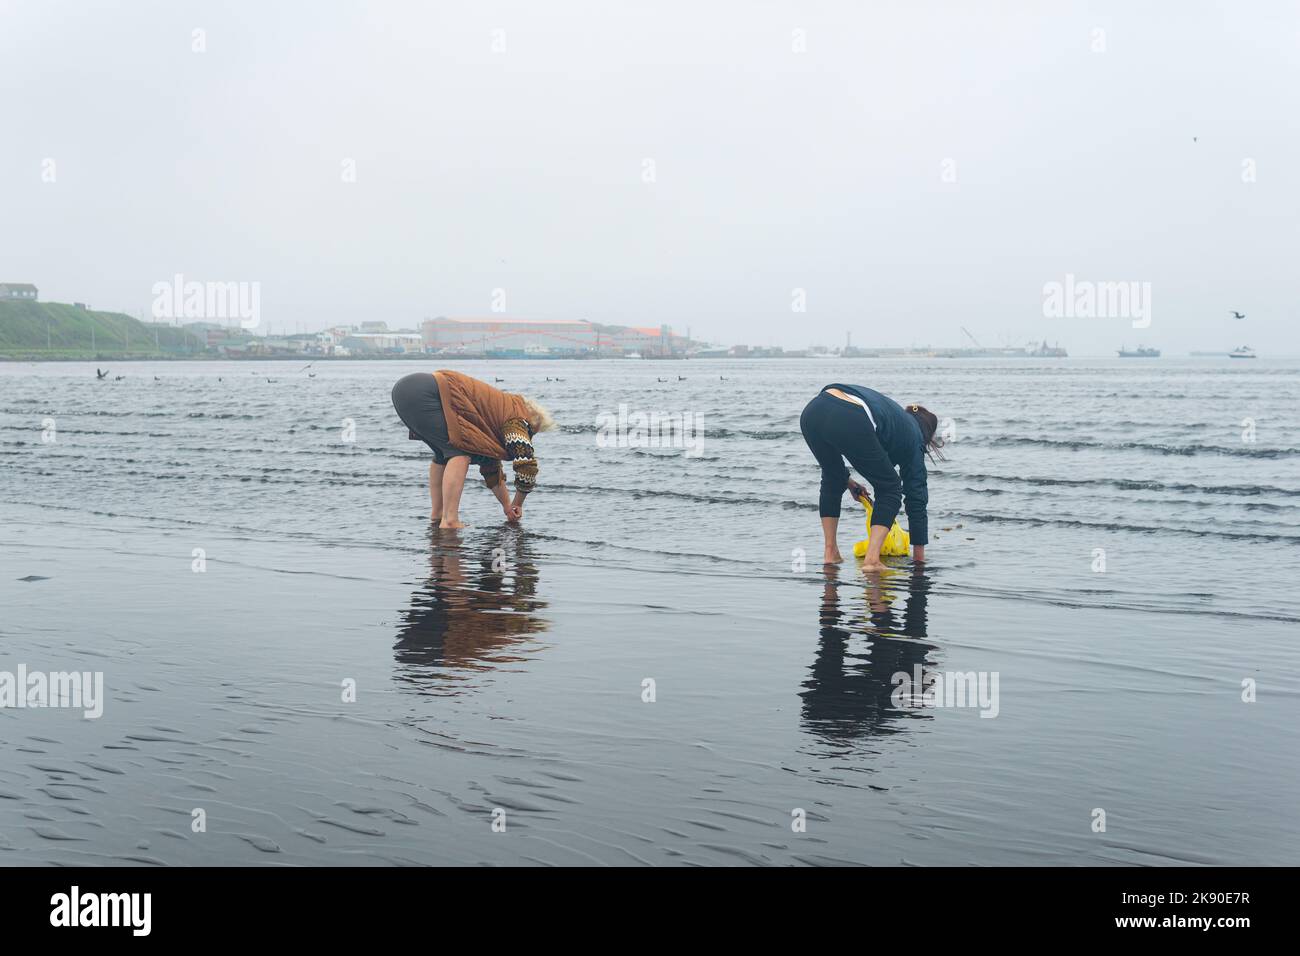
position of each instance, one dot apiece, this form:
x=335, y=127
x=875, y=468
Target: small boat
x=1244, y=351
x=1140, y=352
x=632, y=355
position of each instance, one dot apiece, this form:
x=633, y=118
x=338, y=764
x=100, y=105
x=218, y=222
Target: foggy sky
x=774, y=170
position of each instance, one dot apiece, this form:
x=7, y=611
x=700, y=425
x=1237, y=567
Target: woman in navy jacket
x=876, y=435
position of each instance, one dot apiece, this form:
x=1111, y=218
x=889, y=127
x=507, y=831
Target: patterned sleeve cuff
x=523, y=459
x=525, y=475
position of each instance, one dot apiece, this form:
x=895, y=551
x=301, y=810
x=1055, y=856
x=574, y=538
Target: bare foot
x=833, y=557
x=874, y=567
x=451, y=523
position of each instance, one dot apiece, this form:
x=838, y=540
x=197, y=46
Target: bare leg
x=830, y=529
x=453, y=483
x=875, y=542
x=435, y=490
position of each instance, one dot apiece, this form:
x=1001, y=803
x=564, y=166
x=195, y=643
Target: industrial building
x=390, y=342
x=505, y=336
x=535, y=338
x=650, y=342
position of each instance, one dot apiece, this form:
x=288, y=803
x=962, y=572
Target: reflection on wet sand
x=474, y=607
x=847, y=693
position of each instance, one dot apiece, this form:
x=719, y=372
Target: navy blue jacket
x=900, y=436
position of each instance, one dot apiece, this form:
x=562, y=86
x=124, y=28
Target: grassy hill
x=56, y=330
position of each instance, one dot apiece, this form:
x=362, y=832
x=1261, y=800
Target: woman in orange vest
x=466, y=422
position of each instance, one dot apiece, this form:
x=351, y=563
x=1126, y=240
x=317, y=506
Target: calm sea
x=654, y=669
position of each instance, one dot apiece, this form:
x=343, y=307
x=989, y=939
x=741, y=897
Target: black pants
x=834, y=430
x=419, y=406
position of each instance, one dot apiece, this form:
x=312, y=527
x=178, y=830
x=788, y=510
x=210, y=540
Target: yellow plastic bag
x=896, y=542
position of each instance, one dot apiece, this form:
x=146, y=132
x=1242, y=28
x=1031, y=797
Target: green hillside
x=56, y=330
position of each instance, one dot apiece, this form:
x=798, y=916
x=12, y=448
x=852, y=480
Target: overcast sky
x=525, y=169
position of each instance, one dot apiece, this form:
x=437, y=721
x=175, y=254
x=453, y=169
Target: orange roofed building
x=513, y=337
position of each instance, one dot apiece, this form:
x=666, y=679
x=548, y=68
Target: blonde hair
x=538, y=416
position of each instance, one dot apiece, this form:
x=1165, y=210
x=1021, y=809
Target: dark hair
x=929, y=423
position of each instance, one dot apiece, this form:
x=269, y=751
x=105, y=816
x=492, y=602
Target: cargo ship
x=1140, y=352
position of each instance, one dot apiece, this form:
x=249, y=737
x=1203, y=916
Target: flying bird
x=307, y=366
x=101, y=374
x=1237, y=315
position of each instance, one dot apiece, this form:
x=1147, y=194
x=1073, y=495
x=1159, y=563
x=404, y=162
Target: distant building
x=762, y=351
x=377, y=326
x=500, y=335
x=384, y=342
x=17, y=292
x=557, y=338
x=647, y=340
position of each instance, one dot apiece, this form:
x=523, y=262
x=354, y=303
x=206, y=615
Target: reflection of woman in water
x=471, y=608
x=847, y=694
x=465, y=422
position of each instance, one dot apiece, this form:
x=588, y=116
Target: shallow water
x=503, y=670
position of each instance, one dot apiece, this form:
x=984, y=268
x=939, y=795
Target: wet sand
x=499, y=680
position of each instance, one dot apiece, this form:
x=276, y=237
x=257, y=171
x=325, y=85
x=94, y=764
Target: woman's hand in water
x=918, y=553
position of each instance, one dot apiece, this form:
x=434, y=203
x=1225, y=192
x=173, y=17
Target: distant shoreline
x=422, y=356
